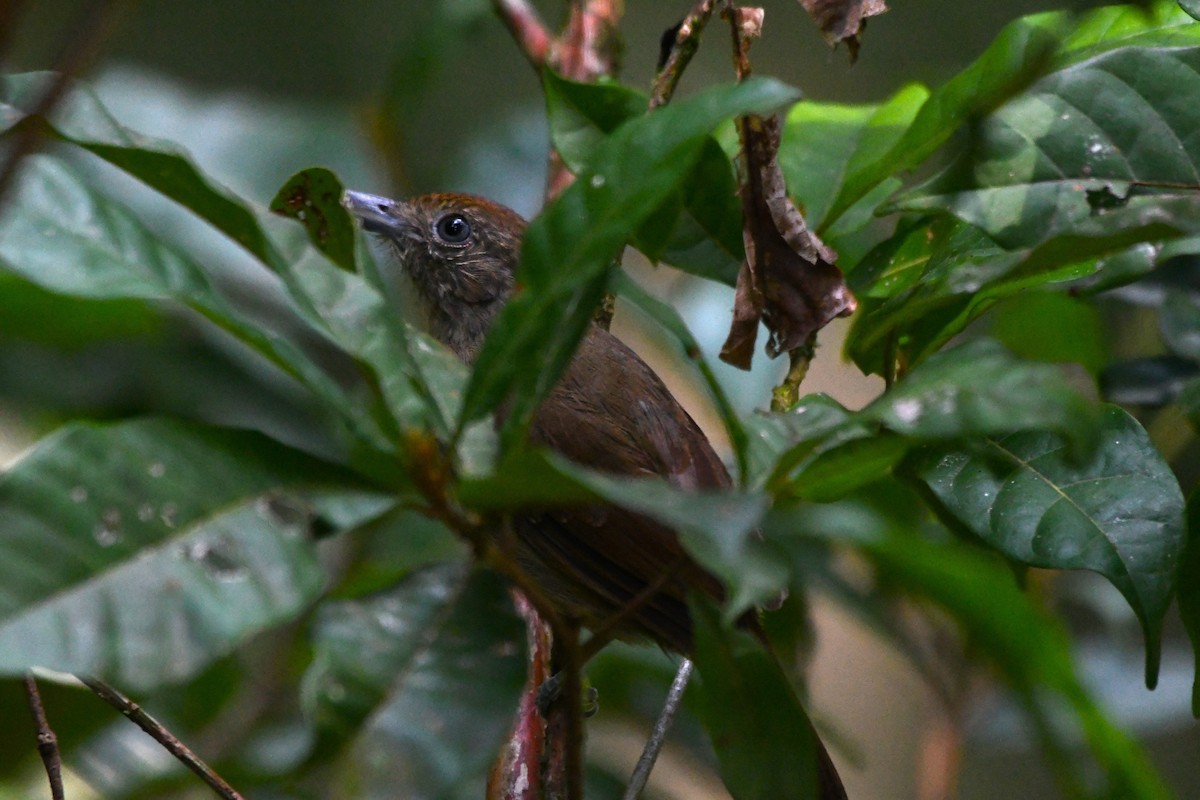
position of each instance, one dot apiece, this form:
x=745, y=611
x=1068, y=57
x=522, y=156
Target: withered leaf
x=789, y=279
x=843, y=20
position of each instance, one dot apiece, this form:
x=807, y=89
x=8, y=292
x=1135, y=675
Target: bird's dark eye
x=453, y=229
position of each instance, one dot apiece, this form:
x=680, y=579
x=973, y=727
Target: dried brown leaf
x=843, y=20
x=789, y=279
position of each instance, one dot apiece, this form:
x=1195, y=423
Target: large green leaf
x=979, y=389
x=1028, y=647
x=974, y=390
x=1045, y=161
x=340, y=305
x=143, y=550
x=26, y=312
x=1118, y=513
x=569, y=249
x=60, y=234
x=1160, y=23
x=933, y=277
x=425, y=677
x=1053, y=326
x=823, y=141
x=1010, y=62
x=752, y=714
x=1021, y=52
x=581, y=115
x=699, y=229
x=81, y=119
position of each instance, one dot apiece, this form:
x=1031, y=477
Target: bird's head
x=458, y=251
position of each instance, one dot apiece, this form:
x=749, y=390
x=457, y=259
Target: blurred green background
x=406, y=97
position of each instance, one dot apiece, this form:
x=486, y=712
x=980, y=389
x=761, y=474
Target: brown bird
x=609, y=412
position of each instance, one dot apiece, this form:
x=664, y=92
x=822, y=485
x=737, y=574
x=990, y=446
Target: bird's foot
x=551, y=690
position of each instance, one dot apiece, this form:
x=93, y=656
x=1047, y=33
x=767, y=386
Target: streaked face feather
x=462, y=283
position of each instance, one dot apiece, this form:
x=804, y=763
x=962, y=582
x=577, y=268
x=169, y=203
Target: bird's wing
x=612, y=413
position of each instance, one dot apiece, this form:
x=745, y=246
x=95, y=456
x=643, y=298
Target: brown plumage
x=609, y=412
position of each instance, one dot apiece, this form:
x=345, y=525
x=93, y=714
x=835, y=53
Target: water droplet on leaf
x=218, y=557
x=108, y=531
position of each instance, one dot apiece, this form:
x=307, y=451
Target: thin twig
x=77, y=55
x=573, y=695
x=138, y=716
x=527, y=29
x=588, y=48
x=687, y=41
x=47, y=742
x=654, y=745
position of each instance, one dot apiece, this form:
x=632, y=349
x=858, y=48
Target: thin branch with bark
x=527, y=30
x=85, y=46
x=138, y=716
x=47, y=742
x=687, y=42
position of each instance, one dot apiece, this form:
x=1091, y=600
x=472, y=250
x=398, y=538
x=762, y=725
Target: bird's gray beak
x=378, y=214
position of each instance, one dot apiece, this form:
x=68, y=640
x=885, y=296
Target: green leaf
x=1018, y=53
x=424, y=677
x=819, y=450
x=919, y=287
x=929, y=281
x=309, y=196
x=581, y=115
x=1046, y=160
x=63, y=236
x=526, y=479
x=716, y=528
x=1119, y=513
x=1188, y=582
x=752, y=714
x=1052, y=326
x=698, y=228
x=30, y=313
x=1158, y=23
x=82, y=120
x=143, y=550
x=980, y=389
x=1027, y=646
x=822, y=142
x=339, y=305
x=833, y=472
x=419, y=380
x=784, y=445
x=974, y=390
x=393, y=546
x=569, y=249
